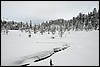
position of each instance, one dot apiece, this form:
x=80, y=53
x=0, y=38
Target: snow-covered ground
x=17, y=48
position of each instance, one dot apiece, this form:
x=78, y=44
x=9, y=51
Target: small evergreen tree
x=30, y=24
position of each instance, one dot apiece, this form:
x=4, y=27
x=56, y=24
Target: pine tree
x=27, y=26
x=61, y=32
x=30, y=24
x=35, y=30
x=41, y=30
x=53, y=29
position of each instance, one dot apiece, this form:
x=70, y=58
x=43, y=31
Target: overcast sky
x=39, y=11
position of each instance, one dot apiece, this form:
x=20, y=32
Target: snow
x=17, y=46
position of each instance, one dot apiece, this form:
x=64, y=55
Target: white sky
x=39, y=11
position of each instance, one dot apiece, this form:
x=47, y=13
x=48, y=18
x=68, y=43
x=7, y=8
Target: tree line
x=81, y=22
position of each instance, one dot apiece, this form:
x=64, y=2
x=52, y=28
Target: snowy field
x=17, y=49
